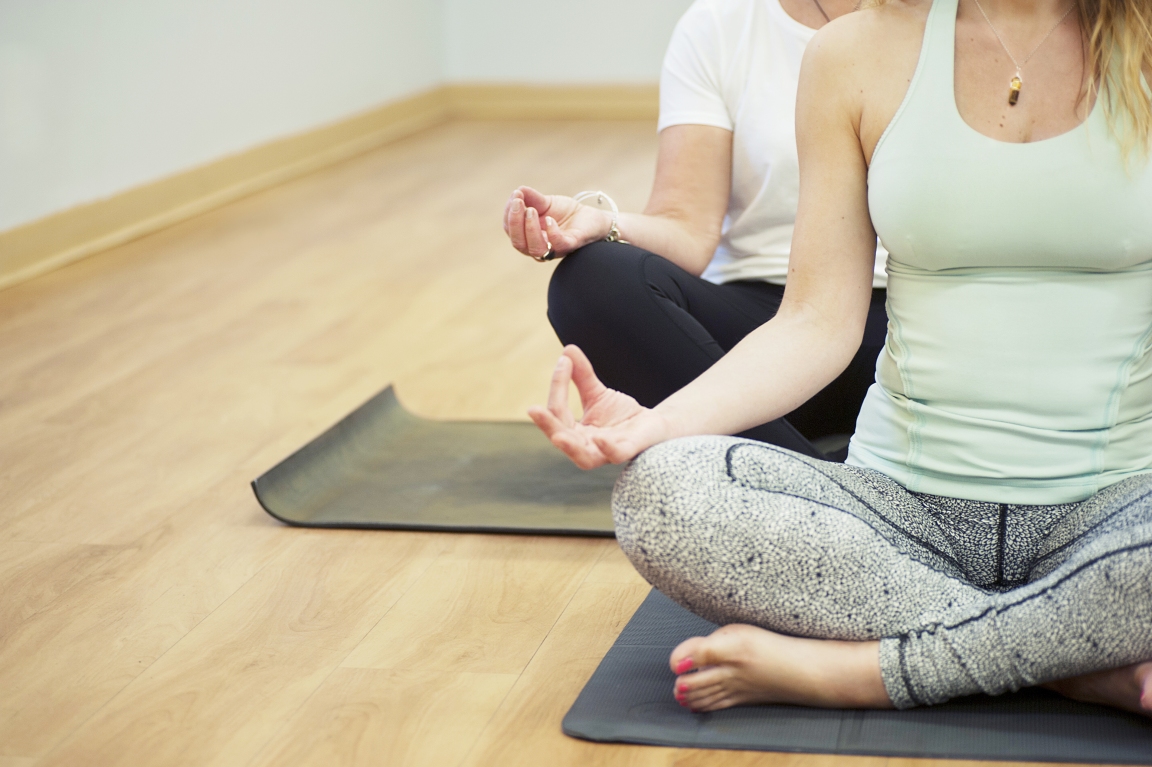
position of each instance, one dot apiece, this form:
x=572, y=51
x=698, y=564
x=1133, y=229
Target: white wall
x=560, y=41
x=99, y=96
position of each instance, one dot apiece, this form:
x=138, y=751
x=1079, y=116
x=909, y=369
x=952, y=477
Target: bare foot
x=740, y=664
x=1128, y=687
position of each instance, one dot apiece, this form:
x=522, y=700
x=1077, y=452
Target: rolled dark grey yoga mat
x=629, y=700
x=382, y=467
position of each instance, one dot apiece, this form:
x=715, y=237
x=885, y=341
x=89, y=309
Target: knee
x=594, y=284
x=699, y=493
x=670, y=496
x=583, y=269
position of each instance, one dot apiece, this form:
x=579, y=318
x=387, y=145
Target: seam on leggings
x=904, y=675
x=1001, y=535
x=1037, y=595
x=1080, y=538
x=960, y=661
x=930, y=547
x=640, y=265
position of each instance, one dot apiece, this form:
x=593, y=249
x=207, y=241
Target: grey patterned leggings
x=965, y=596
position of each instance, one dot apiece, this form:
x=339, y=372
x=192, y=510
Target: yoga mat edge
x=381, y=467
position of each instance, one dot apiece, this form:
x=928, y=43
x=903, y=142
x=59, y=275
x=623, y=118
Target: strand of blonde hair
x=1119, y=52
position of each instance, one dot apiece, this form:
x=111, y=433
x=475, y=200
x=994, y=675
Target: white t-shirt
x=734, y=64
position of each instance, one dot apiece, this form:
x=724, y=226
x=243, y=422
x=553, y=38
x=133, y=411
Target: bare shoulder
x=868, y=34
x=865, y=61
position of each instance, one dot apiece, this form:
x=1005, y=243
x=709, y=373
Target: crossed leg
x=797, y=552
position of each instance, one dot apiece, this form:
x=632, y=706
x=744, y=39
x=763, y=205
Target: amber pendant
x=1014, y=91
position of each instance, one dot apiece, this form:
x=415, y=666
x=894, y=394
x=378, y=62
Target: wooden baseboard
x=49, y=243
x=554, y=102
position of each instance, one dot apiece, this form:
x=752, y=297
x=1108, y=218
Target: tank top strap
x=933, y=85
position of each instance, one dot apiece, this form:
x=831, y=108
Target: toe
x=705, y=677
x=683, y=658
x=718, y=700
x=718, y=647
x=695, y=695
x=1145, y=674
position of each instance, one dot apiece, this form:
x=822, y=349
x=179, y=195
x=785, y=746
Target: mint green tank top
x=1017, y=367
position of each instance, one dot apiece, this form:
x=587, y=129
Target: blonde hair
x=1118, y=37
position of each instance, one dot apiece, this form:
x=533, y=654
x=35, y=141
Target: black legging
x=650, y=328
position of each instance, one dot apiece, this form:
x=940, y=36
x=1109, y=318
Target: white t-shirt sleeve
x=690, y=82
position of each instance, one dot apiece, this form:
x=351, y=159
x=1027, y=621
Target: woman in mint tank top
x=992, y=527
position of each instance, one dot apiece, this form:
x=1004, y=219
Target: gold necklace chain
x=1016, y=83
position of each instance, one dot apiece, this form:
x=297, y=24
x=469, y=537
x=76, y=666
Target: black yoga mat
x=382, y=467
x=629, y=700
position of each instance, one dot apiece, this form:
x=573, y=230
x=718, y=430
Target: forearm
x=774, y=370
x=685, y=213
x=668, y=236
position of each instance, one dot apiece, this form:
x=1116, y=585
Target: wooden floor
x=152, y=614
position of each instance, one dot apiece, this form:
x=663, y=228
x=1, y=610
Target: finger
x=545, y=421
x=508, y=207
x=516, y=226
x=558, y=392
x=533, y=199
x=537, y=242
x=562, y=242
x=614, y=448
x=587, y=384
x=578, y=450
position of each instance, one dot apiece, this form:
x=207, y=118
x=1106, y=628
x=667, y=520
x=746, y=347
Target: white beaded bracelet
x=601, y=198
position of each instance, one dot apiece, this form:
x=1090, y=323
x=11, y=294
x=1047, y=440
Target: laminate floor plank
x=483, y=607
x=527, y=725
x=34, y=575
x=395, y=717
x=16, y=761
x=64, y=663
x=250, y=664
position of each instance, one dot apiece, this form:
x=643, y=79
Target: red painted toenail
x=682, y=688
x=684, y=666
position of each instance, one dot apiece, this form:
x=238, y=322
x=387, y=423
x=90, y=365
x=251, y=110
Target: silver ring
x=551, y=254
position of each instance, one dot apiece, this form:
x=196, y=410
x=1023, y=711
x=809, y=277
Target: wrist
x=599, y=198
x=604, y=221
x=676, y=422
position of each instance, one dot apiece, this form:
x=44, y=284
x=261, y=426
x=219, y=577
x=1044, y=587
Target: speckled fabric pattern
x=965, y=596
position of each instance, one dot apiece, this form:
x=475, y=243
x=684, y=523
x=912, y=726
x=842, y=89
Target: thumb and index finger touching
x=534, y=199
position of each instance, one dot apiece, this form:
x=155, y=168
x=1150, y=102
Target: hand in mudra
x=535, y=221
x=615, y=428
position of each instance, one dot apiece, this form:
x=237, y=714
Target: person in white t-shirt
x=705, y=264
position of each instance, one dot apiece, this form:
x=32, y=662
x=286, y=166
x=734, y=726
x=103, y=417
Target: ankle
x=859, y=683
x=840, y=674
